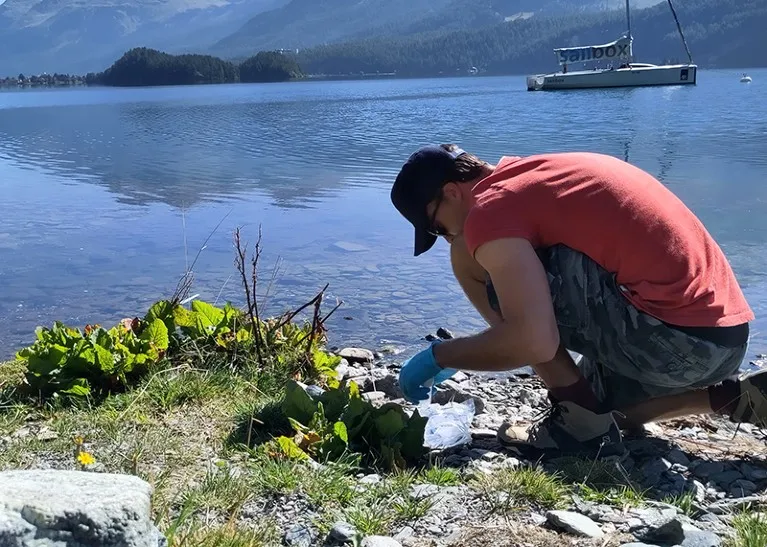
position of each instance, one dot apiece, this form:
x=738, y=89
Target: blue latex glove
x=420, y=372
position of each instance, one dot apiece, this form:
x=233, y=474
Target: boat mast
x=679, y=27
x=628, y=26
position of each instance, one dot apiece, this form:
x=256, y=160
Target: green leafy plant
x=339, y=420
x=65, y=360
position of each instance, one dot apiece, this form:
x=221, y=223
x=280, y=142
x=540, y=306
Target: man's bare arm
x=471, y=278
x=528, y=332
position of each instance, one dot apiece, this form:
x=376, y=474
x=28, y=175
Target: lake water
x=102, y=187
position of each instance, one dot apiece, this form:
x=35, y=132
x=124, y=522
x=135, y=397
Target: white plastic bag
x=448, y=425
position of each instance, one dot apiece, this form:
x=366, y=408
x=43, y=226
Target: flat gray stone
x=725, y=478
x=705, y=469
x=357, y=355
x=374, y=396
x=636, y=544
x=380, y=541
x=343, y=532
x=575, y=523
x=41, y=508
x=657, y=526
x=677, y=456
x=700, y=538
x=299, y=536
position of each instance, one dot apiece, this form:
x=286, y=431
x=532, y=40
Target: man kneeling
x=583, y=252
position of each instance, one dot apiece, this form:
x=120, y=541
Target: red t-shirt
x=621, y=217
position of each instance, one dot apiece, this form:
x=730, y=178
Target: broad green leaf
x=41, y=366
x=291, y=449
x=389, y=424
x=356, y=417
x=105, y=358
x=334, y=401
x=411, y=438
x=156, y=333
x=297, y=426
x=184, y=318
x=207, y=314
x=339, y=429
x=297, y=403
x=160, y=310
x=78, y=387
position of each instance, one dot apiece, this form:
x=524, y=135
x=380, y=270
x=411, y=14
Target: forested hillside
x=149, y=67
x=721, y=33
x=302, y=23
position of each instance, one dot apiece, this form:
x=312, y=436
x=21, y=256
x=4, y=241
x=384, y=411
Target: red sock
x=579, y=393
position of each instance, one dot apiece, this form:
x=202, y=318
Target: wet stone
x=676, y=456
x=725, y=478
x=343, y=532
x=357, y=355
x=705, y=469
x=741, y=488
x=575, y=523
x=654, y=470
x=445, y=334
x=299, y=536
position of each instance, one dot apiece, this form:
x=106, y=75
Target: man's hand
x=418, y=372
x=528, y=332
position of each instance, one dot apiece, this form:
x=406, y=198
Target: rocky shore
x=694, y=482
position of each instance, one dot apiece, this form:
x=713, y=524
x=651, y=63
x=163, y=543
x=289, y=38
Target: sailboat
x=621, y=72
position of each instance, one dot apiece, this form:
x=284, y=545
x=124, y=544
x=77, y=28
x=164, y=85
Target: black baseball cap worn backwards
x=419, y=181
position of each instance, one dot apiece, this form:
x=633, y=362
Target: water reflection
x=94, y=182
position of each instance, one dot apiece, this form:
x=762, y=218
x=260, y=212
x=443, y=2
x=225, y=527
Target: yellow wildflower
x=85, y=458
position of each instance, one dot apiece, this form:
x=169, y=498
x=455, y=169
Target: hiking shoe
x=752, y=401
x=567, y=429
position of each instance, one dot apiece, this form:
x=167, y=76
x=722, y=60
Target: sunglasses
x=436, y=230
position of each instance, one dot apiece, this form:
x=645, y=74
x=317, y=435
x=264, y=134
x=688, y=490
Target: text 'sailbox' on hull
x=620, y=70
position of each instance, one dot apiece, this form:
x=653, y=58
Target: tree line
x=149, y=67
x=145, y=67
x=720, y=33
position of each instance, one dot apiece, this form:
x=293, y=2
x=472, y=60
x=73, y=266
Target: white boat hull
x=636, y=76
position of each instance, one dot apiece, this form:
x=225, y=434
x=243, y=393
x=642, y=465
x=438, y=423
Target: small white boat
x=619, y=53
x=745, y=78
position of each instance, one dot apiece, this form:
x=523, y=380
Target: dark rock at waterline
x=357, y=355
x=445, y=334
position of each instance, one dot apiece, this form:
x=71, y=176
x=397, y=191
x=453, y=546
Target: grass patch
x=750, y=529
x=684, y=502
x=188, y=531
x=601, y=481
x=509, y=489
x=440, y=476
x=371, y=519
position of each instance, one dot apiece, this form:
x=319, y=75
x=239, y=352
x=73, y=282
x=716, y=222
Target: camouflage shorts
x=628, y=356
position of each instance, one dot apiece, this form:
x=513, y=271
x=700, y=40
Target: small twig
x=331, y=312
x=288, y=317
x=254, y=297
x=221, y=290
x=316, y=323
x=240, y=263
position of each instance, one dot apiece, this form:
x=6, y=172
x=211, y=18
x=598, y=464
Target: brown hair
x=467, y=167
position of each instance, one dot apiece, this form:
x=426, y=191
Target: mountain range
x=352, y=36
x=87, y=35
